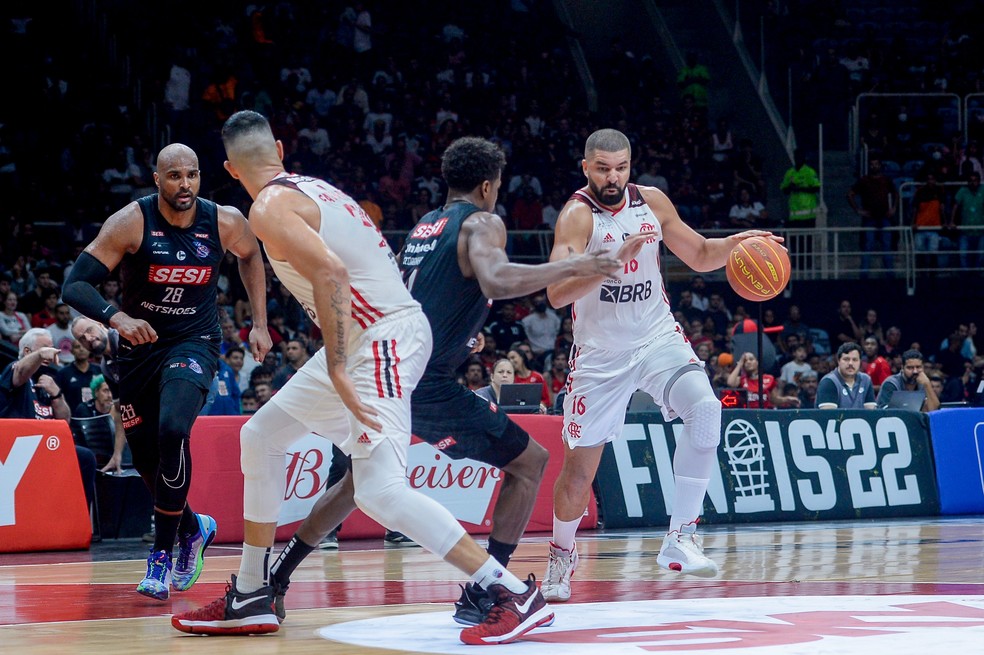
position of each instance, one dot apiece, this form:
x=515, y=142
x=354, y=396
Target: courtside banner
x=958, y=445
x=778, y=465
x=42, y=503
x=467, y=488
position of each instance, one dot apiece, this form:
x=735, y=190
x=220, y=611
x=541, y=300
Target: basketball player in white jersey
x=625, y=339
x=355, y=391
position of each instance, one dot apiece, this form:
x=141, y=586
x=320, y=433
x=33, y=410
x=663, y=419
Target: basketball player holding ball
x=625, y=339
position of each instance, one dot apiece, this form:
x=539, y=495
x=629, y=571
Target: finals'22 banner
x=778, y=466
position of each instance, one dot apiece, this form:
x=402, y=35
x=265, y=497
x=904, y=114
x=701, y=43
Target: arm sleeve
x=80, y=291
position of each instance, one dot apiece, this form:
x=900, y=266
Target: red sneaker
x=511, y=617
x=235, y=613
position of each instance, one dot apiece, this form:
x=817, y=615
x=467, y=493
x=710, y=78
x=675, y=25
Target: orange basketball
x=758, y=269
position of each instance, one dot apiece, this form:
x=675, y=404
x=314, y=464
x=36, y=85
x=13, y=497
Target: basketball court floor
x=877, y=586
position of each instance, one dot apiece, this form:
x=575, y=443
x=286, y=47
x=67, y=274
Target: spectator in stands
x=870, y=327
x=875, y=200
x=951, y=361
x=802, y=185
x=46, y=315
x=249, y=402
x=794, y=368
x=13, y=324
x=893, y=342
x=927, y=222
x=502, y=373
x=295, y=357
x=263, y=392
x=32, y=301
x=28, y=390
x=61, y=334
x=223, y=395
x=807, y=385
x=911, y=378
x=97, y=427
x=475, y=375
x=846, y=387
x=794, y=324
x=876, y=366
x=745, y=376
x=541, y=326
x=507, y=330
x=968, y=213
x=746, y=213
x=555, y=378
x=718, y=313
x=845, y=330
x=75, y=378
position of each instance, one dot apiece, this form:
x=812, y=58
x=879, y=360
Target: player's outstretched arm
x=485, y=240
x=234, y=231
x=696, y=251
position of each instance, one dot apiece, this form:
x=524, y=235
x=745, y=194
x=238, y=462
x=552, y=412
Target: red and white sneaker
x=235, y=613
x=511, y=617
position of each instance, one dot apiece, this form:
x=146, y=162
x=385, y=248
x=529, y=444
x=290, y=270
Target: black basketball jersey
x=454, y=305
x=171, y=280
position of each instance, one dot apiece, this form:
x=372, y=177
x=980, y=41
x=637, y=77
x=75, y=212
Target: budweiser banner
x=778, y=465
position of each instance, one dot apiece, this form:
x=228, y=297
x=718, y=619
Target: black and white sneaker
x=473, y=606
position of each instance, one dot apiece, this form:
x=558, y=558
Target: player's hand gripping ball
x=758, y=269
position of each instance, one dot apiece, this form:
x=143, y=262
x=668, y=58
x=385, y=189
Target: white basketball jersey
x=374, y=278
x=629, y=309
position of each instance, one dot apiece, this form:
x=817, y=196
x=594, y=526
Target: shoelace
x=562, y=565
x=213, y=607
x=158, y=568
x=184, y=550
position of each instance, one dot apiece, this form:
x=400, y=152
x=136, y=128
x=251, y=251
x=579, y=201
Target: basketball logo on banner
x=746, y=459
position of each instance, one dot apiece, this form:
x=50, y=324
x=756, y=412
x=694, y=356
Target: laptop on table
x=520, y=398
x=909, y=400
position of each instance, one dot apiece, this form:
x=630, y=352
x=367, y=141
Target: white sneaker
x=556, y=586
x=683, y=552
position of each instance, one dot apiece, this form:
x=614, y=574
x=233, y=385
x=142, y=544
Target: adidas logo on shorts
x=364, y=439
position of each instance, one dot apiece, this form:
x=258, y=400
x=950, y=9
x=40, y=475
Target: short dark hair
x=469, y=161
x=243, y=122
x=845, y=348
x=912, y=354
x=606, y=140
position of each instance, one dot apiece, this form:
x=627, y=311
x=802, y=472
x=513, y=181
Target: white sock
x=254, y=569
x=688, y=500
x=492, y=572
x=564, y=531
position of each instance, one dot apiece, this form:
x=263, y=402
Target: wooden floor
x=875, y=586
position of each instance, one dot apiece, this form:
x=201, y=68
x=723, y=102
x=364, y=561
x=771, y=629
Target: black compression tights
x=165, y=462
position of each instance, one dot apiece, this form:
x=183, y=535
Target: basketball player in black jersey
x=169, y=246
x=454, y=263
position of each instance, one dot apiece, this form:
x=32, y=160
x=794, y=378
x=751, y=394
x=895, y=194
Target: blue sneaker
x=158, y=579
x=191, y=553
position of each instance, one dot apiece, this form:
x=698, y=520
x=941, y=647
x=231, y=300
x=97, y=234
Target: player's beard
x=609, y=195
x=182, y=204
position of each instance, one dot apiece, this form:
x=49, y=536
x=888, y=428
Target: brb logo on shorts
x=622, y=293
x=129, y=416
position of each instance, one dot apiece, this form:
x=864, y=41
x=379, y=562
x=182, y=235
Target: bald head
x=174, y=156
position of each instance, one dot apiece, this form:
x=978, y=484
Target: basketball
x=758, y=269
